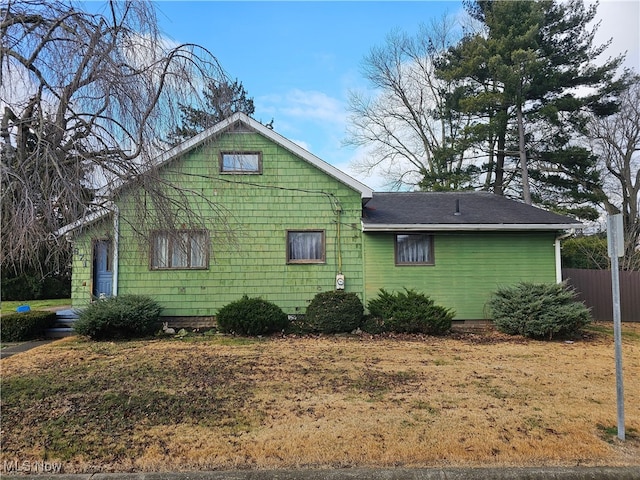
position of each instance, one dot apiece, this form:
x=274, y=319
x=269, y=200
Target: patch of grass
x=630, y=331
x=426, y=406
x=10, y=306
x=95, y=410
x=610, y=433
x=442, y=361
x=224, y=402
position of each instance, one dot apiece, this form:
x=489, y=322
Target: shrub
x=18, y=327
x=585, y=252
x=252, y=317
x=56, y=287
x=409, y=312
x=32, y=287
x=538, y=310
x=124, y=316
x=334, y=312
x=22, y=287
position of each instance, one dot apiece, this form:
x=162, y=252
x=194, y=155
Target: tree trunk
x=526, y=192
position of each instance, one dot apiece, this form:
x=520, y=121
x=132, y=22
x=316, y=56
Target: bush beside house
x=334, y=312
x=408, y=312
x=252, y=317
x=538, y=310
x=124, y=316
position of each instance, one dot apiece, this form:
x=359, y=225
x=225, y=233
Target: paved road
x=556, y=473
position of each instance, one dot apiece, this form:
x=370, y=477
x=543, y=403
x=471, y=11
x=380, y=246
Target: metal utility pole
x=615, y=244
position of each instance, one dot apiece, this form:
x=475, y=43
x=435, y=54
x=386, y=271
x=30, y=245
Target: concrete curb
x=534, y=473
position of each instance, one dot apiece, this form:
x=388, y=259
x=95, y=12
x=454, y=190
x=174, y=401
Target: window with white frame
x=305, y=246
x=182, y=249
x=414, y=249
x=241, y=162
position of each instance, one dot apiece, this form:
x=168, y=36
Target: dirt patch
x=479, y=398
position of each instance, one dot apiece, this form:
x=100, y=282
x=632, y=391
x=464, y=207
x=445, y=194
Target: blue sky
x=298, y=60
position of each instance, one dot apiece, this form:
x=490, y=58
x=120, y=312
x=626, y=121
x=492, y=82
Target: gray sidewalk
x=22, y=347
x=554, y=473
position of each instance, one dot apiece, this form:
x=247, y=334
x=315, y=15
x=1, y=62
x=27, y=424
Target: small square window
x=183, y=249
x=305, y=246
x=241, y=162
x=412, y=249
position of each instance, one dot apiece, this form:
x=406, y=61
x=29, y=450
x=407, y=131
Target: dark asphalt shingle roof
x=438, y=208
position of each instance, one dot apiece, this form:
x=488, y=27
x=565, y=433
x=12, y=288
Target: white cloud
x=304, y=105
x=316, y=119
x=314, y=105
x=620, y=22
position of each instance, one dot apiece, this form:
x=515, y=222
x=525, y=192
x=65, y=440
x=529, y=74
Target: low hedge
x=124, y=316
x=19, y=327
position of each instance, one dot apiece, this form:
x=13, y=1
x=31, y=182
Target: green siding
x=248, y=216
x=248, y=228
x=82, y=264
x=468, y=267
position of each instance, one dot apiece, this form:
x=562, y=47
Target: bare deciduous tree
x=85, y=98
x=616, y=139
x=415, y=138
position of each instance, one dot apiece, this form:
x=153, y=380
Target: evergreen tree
x=530, y=79
x=221, y=101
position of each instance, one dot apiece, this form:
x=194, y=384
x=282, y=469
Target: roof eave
x=470, y=227
x=365, y=191
x=85, y=221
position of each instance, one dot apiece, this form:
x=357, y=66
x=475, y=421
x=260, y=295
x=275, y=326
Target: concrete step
x=63, y=326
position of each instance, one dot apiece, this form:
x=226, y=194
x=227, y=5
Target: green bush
x=585, y=252
x=55, y=287
x=18, y=327
x=252, y=317
x=32, y=287
x=538, y=310
x=408, y=312
x=334, y=312
x=124, y=316
x=22, y=287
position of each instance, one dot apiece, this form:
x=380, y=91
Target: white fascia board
x=86, y=220
x=477, y=227
x=365, y=191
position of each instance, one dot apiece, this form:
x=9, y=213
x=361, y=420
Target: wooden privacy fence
x=594, y=289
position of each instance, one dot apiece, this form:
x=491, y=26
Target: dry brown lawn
x=480, y=399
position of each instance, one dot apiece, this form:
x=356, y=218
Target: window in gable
x=241, y=162
x=182, y=249
x=305, y=246
x=414, y=249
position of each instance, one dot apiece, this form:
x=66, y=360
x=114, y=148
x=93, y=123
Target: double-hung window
x=241, y=162
x=305, y=246
x=414, y=249
x=182, y=249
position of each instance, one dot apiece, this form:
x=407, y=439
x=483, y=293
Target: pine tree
x=221, y=101
x=524, y=77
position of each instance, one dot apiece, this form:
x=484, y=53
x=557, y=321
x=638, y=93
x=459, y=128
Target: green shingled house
x=288, y=225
